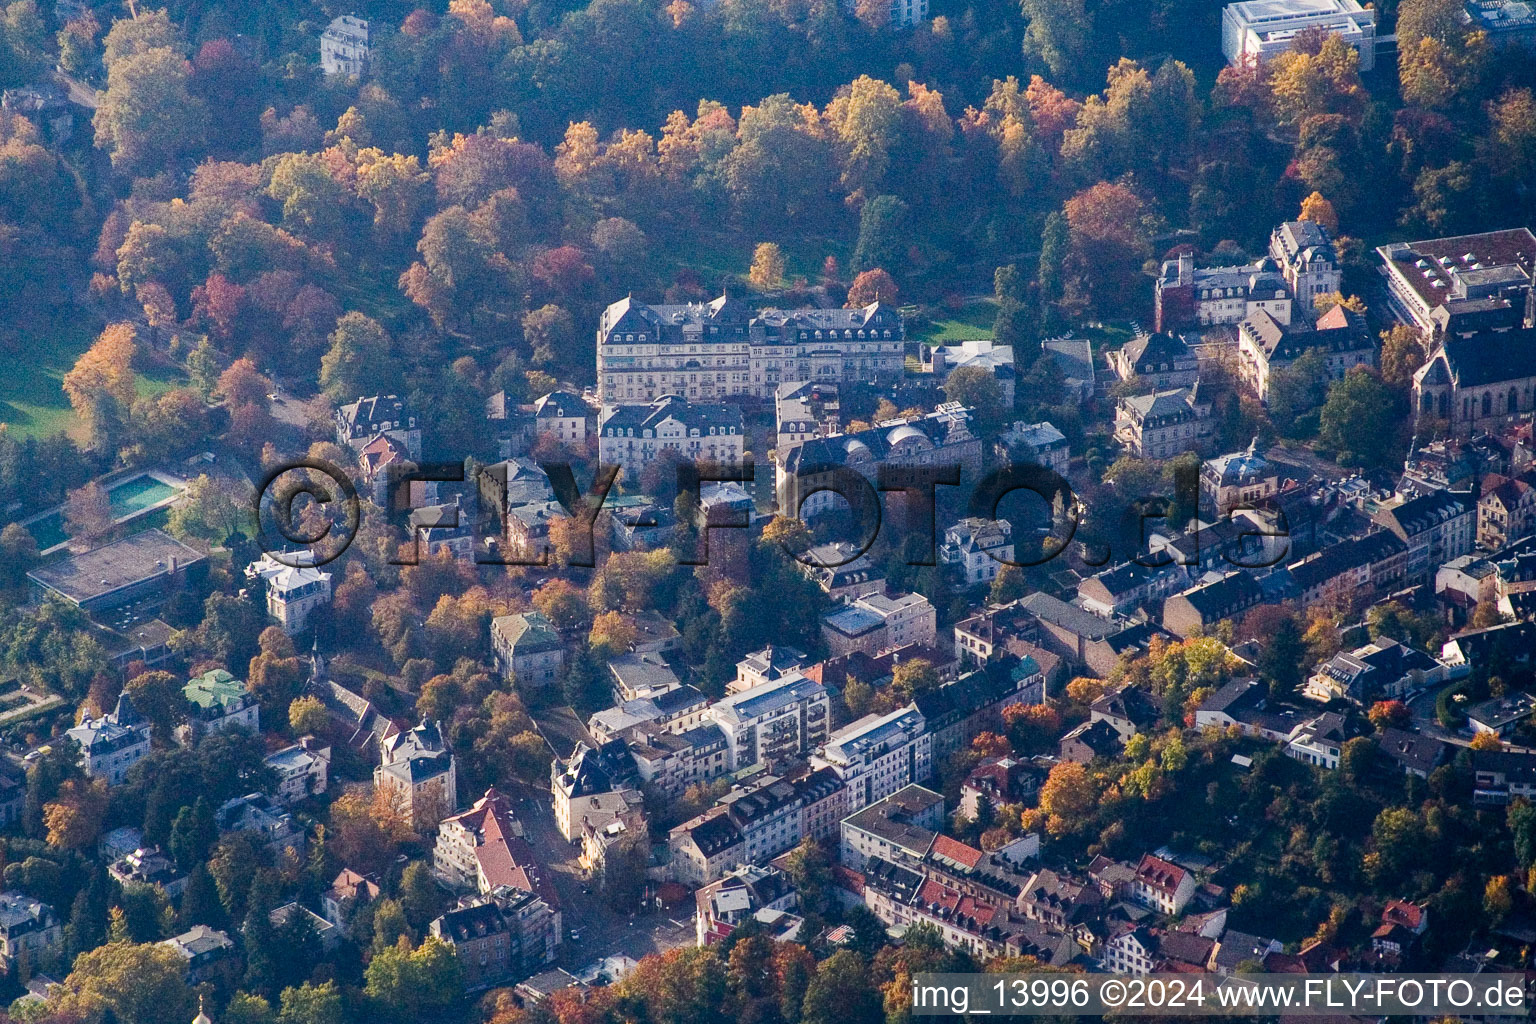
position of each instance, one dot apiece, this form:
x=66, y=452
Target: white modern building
x=775, y=722
x=1254, y=31
x=880, y=754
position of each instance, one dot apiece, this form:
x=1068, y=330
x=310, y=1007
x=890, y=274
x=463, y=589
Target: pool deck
x=177, y=483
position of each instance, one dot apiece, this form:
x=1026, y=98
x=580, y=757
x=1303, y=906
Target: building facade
x=725, y=348
x=633, y=436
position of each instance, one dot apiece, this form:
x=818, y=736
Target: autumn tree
x=1402, y=353
x=1108, y=242
x=88, y=513
x=872, y=286
x=1320, y=211
x=74, y=820
x=1068, y=798
x=767, y=271
x=147, y=116
x=1392, y=713
x=102, y=384
x=123, y=981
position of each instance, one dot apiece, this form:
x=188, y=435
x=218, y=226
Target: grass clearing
x=971, y=322
x=32, y=399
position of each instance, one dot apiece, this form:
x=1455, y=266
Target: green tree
x=1357, y=420
x=884, y=234
x=841, y=992
x=1057, y=34
x=414, y=984
x=979, y=390
x=359, y=362
x=311, y=1004
x=1282, y=665
x=147, y=118
x=208, y=511
x=136, y=984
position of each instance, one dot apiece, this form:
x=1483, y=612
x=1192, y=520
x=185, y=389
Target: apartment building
x=880, y=754
x=775, y=722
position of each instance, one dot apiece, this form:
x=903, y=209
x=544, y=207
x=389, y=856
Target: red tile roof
x=1159, y=874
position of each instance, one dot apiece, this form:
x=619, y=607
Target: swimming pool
x=128, y=498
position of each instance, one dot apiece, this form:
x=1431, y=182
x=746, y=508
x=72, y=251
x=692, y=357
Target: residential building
x=1237, y=480
x=1074, y=358
x=1254, y=31
x=1465, y=278
x=210, y=955
x=302, y=770
x=218, y=702
x=1265, y=346
x=344, y=47
x=878, y=623
x=676, y=710
x=353, y=715
x=725, y=348
x=1163, y=885
x=877, y=755
x=1499, y=776
x=900, y=829
x=143, y=570
x=561, y=417
x=29, y=929
x=941, y=438
x=996, y=781
x=842, y=570
x=977, y=548
x=981, y=354
x=1320, y=741
x=1437, y=528
x=348, y=893
x=1501, y=715
x=286, y=915
x=612, y=832
x=1506, y=511
x=638, y=675
x=442, y=529
x=1199, y=608
x=293, y=591
x=769, y=665
x=527, y=648
x=901, y=14
x=1128, y=588
x=589, y=772
x=1244, y=704
x=751, y=824
x=1164, y=423
x=361, y=421
x=1381, y=670
x=823, y=802
x=633, y=436
x=1352, y=570
x=804, y=409
x=671, y=762
x=483, y=850
x=1507, y=22
x=148, y=865
x=746, y=893
x=113, y=743
x=1160, y=360
x=1038, y=443
x=267, y=822
x=1413, y=752
x=1190, y=296
x=1126, y=709
x=1089, y=740
x=417, y=772
x=499, y=938
x=1308, y=260
x=958, y=710
x=774, y=723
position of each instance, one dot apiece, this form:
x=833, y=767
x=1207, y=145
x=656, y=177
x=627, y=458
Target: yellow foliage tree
x=1320, y=211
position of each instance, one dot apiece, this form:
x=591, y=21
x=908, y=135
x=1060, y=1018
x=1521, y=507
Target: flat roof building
x=145, y=567
x=1256, y=30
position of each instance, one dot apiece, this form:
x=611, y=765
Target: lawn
x=970, y=322
x=32, y=399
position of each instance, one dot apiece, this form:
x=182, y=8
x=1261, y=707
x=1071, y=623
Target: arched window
x=1426, y=404
x=1487, y=403
x=1514, y=400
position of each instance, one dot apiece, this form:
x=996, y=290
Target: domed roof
x=1243, y=467
x=906, y=432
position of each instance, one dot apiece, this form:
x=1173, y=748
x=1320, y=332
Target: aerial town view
x=689, y=511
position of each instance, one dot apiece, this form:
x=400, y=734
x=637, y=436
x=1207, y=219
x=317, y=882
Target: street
x=604, y=930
